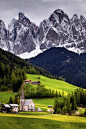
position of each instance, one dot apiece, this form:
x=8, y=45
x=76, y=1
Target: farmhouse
x=35, y=82
x=32, y=82
x=10, y=108
x=26, y=105
x=27, y=81
x=6, y=108
x=14, y=108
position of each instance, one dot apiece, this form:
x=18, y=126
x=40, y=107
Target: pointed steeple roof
x=22, y=92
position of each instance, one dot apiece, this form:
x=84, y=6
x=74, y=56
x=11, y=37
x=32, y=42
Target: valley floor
x=50, y=121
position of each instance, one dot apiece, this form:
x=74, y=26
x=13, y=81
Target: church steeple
x=21, y=99
x=22, y=92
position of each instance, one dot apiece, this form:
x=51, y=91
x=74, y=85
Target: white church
x=26, y=105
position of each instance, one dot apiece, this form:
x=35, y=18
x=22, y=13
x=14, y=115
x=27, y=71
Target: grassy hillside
x=13, y=71
x=52, y=83
x=49, y=83
x=43, y=103
x=5, y=96
x=13, y=121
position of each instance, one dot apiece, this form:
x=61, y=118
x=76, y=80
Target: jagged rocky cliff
x=24, y=36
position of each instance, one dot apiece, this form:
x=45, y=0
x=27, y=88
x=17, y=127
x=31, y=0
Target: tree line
x=70, y=103
x=40, y=91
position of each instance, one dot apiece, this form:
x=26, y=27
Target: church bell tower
x=21, y=100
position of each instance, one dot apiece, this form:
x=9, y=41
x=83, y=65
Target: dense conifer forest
x=13, y=71
x=71, y=102
x=63, y=64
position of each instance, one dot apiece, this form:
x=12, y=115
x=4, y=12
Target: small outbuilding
x=6, y=108
x=39, y=110
x=27, y=81
x=10, y=108
x=36, y=82
x=50, y=110
x=32, y=82
x=49, y=106
x=15, y=108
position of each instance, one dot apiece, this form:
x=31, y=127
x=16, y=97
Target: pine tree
x=11, y=100
x=74, y=103
x=16, y=100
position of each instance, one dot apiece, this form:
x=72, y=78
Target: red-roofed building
x=27, y=81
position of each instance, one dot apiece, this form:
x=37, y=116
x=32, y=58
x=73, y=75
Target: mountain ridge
x=24, y=36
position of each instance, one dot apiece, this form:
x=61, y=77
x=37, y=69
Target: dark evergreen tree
x=11, y=100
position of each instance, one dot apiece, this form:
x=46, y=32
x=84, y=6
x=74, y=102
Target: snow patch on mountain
x=27, y=55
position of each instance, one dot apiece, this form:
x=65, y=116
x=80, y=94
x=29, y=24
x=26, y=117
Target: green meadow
x=48, y=83
x=43, y=103
x=5, y=96
x=34, y=113
x=53, y=84
x=16, y=121
x=41, y=120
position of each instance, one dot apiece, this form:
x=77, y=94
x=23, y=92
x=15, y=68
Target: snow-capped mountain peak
x=24, y=37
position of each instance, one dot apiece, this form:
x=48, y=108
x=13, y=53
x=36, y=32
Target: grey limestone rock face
x=58, y=30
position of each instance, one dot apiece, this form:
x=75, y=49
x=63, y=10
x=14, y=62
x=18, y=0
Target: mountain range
x=63, y=64
x=25, y=39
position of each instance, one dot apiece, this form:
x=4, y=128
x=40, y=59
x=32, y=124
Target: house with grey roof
x=6, y=108
x=29, y=105
x=14, y=107
x=10, y=108
x=26, y=105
